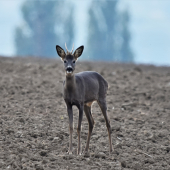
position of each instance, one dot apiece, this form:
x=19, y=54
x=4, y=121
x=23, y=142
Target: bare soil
x=34, y=132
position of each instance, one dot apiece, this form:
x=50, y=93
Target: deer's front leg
x=70, y=115
x=79, y=128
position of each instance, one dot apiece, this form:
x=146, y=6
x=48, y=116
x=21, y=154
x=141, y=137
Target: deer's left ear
x=78, y=52
x=60, y=51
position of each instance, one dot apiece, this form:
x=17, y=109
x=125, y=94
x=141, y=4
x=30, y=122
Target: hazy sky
x=150, y=25
x=150, y=28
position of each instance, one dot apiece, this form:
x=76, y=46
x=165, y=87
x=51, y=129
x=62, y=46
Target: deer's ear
x=60, y=52
x=78, y=52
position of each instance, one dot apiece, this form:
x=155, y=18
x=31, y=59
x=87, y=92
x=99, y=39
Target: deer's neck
x=70, y=83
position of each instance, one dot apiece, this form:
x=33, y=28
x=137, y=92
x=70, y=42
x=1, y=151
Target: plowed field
x=34, y=132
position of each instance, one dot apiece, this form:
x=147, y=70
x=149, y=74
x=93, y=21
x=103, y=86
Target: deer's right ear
x=60, y=52
x=78, y=51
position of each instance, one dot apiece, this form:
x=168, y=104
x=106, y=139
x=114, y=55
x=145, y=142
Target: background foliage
x=48, y=23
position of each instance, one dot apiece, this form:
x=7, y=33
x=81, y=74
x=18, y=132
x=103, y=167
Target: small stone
x=43, y=153
x=39, y=167
x=123, y=164
x=137, y=166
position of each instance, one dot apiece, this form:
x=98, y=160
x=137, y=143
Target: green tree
x=45, y=25
x=108, y=31
x=126, y=54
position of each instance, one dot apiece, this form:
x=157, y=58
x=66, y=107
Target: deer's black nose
x=69, y=69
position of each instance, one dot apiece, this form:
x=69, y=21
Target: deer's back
x=91, y=84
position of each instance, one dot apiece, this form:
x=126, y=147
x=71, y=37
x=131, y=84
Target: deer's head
x=69, y=58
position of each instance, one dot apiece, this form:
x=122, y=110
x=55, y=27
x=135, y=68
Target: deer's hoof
x=79, y=153
x=111, y=151
x=70, y=152
x=86, y=154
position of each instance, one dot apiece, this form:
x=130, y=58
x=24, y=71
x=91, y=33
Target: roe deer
x=82, y=89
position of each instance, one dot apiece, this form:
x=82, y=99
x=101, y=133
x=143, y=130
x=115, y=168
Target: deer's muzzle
x=69, y=70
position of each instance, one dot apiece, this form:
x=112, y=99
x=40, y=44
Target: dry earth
x=34, y=125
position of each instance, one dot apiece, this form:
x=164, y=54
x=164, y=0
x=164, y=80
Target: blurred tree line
x=47, y=23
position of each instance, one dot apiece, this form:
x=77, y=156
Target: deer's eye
x=65, y=61
x=74, y=61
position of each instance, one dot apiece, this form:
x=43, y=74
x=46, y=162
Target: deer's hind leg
x=87, y=110
x=103, y=107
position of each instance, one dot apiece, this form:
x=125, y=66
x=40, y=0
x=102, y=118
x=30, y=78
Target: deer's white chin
x=69, y=72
